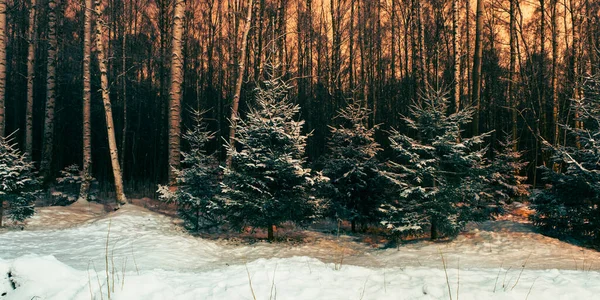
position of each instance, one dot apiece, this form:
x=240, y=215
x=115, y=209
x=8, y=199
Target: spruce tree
x=439, y=173
x=355, y=187
x=267, y=183
x=570, y=205
x=18, y=183
x=197, y=182
x=505, y=180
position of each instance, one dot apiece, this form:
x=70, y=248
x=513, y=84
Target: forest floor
x=70, y=253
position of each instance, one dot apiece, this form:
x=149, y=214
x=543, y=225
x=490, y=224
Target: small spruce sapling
x=355, y=188
x=506, y=183
x=19, y=185
x=197, y=182
x=267, y=183
x=439, y=173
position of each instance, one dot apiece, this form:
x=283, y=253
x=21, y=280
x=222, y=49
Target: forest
x=413, y=114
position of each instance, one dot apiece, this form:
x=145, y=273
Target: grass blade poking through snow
x=250, y=282
x=106, y=259
x=520, y=273
x=530, y=288
x=446, y=272
x=458, y=279
x=498, y=276
x=273, y=285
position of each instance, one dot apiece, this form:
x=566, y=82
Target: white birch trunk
x=175, y=91
x=110, y=128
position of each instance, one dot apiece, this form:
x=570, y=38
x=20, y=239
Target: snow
x=150, y=257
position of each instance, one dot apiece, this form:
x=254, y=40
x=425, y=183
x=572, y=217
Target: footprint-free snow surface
x=63, y=255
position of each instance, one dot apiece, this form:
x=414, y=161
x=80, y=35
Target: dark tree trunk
x=270, y=232
x=434, y=232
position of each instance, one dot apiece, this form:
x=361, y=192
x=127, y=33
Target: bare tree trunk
x=124, y=89
x=577, y=70
x=555, y=103
x=110, y=128
x=512, y=71
x=541, y=72
x=48, y=142
x=456, y=54
x=238, y=85
x=31, y=36
x=468, y=47
x=87, y=97
x=175, y=92
x=3, y=45
x=477, y=66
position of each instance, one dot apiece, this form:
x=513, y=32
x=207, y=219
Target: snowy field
x=62, y=254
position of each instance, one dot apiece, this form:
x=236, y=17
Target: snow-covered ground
x=62, y=254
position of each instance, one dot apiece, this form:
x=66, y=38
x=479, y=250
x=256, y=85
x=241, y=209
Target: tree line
x=117, y=104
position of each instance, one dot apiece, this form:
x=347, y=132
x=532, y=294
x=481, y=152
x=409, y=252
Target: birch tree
x=175, y=91
x=456, y=55
x=238, y=85
x=87, y=96
x=110, y=128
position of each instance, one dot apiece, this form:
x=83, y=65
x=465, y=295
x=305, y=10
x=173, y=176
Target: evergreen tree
x=440, y=174
x=267, y=183
x=18, y=182
x=356, y=185
x=570, y=205
x=197, y=182
x=505, y=180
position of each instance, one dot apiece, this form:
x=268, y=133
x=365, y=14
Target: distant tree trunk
x=46, y=162
x=238, y=85
x=468, y=46
x=87, y=98
x=175, y=92
x=477, y=66
x=31, y=37
x=124, y=89
x=110, y=128
x=456, y=55
x=541, y=73
x=555, y=103
x=577, y=70
x=512, y=71
x=3, y=45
